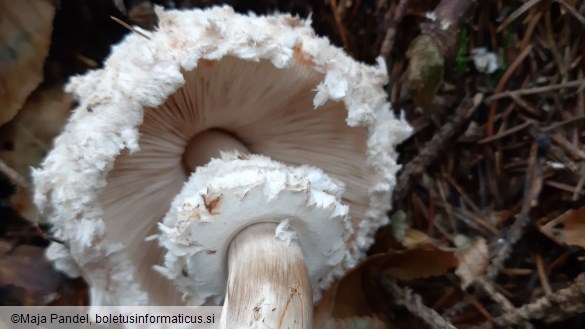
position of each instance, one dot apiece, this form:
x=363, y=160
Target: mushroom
x=284, y=226
x=228, y=133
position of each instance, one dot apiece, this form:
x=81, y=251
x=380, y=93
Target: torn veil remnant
x=163, y=108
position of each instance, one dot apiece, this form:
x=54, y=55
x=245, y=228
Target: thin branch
x=389, y=37
x=500, y=86
x=433, y=148
x=536, y=90
x=126, y=25
x=413, y=302
x=559, y=306
x=532, y=188
x=572, y=10
x=517, y=13
x=505, y=305
x=14, y=176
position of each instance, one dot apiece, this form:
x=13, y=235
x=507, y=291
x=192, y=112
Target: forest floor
x=488, y=219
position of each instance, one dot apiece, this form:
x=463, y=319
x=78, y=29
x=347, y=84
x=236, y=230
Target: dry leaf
x=25, y=140
x=25, y=34
x=568, y=228
x=473, y=261
x=27, y=278
x=357, y=295
x=415, y=239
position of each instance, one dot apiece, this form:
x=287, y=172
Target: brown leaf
x=25, y=34
x=27, y=278
x=356, y=294
x=416, y=264
x=25, y=140
x=568, y=228
x=415, y=239
x=25, y=271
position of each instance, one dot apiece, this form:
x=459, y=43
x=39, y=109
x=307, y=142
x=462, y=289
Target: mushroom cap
x=270, y=81
x=234, y=192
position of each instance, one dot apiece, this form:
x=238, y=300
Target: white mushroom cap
x=232, y=193
x=269, y=81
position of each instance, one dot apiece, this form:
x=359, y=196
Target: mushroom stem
x=208, y=144
x=268, y=282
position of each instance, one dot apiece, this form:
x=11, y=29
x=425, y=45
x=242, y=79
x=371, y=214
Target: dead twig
x=505, y=305
x=126, y=25
x=506, y=132
x=500, y=87
x=412, y=302
x=390, y=35
x=14, y=176
x=433, y=148
x=580, y=184
x=339, y=22
x=532, y=188
x=542, y=274
x=517, y=13
x=535, y=90
x=559, y=306
x=562, y=123
x=448, y=17
x=491, y=291
x=565, y=187
x=572, y=10
x=552, y=44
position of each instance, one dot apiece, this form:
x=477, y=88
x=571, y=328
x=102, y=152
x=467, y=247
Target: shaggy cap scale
x=234, y=192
